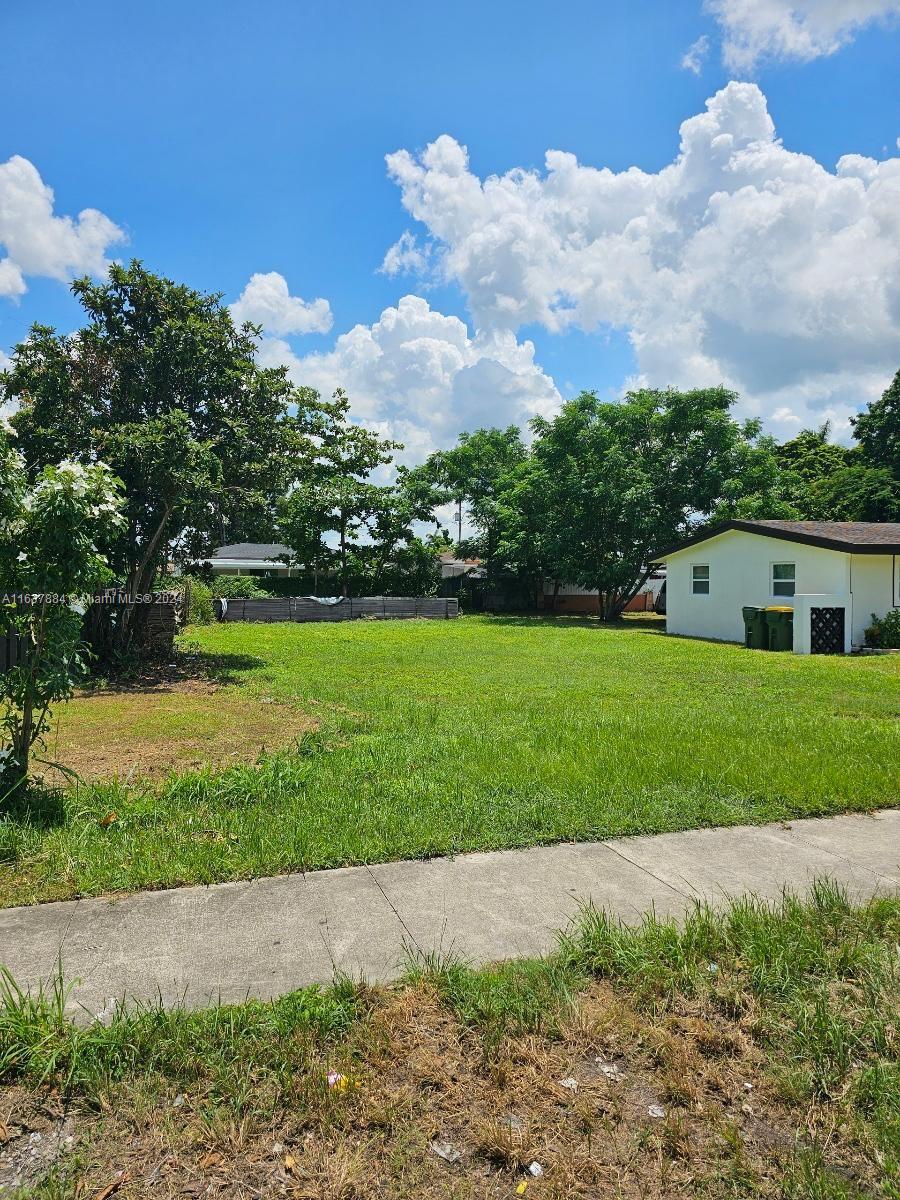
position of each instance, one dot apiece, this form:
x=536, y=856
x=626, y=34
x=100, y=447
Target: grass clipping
x=748, y=1053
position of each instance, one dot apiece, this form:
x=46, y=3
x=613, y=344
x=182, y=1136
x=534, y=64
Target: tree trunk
x=114, y=639
x=344, y=590
x=613, y=605
x=624, y=597
x=142, y=579
x=23, y=738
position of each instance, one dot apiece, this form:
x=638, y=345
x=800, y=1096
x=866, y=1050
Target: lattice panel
x=826, y=630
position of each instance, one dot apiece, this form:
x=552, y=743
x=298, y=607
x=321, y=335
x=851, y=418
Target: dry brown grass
x=423, y=1078
x=180, y=725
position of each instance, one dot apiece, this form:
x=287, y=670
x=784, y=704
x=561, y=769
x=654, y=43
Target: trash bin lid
x=779, y=608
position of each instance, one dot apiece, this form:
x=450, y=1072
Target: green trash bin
x=756, y=630
x=780, y=622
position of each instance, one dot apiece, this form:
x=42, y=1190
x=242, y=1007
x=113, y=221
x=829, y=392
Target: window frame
x=773, y=581
x=694, y=580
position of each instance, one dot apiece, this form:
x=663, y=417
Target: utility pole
x=459, y=527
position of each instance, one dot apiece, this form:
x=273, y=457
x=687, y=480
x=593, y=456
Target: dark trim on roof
x=782, y=535
x=250, y=551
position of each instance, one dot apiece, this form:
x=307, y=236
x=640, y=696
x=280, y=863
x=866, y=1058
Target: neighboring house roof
x=449, y=557
x=250, y=552
x=856, y=537
x=452, y=567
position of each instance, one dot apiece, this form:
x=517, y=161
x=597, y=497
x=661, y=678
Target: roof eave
x=247, y=562
x=781, y=535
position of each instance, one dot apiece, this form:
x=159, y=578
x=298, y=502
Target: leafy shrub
x=305, y=585
x=884, y=632
x=201, y=611
x=237, y=587
x=50, y=537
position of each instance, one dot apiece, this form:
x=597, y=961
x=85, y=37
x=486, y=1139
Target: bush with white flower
x=50, y=565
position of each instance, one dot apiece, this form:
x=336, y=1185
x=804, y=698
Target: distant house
x=453, y=567
x=251, y=558
x=569, y=598
x=833, y=574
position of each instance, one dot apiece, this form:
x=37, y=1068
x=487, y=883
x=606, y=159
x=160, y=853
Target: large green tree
x=473, y=474
x=160, y=385
x=486, y=475
x=338, y=518
x=824, y=481
x=877, y=430
x=855, y=492
x=622, y=480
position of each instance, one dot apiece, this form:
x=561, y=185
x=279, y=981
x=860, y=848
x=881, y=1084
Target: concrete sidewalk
x=261, y=938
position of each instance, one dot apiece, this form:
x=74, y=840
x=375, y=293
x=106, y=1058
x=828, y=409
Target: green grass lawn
x=435, y=737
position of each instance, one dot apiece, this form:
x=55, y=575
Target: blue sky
x=226, y=141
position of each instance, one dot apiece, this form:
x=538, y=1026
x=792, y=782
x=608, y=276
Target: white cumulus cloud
x=791, y=29
x=741, y=262
x=406, y=256
x=420, y=377
x=695, y=55
x=267, y=301
x=38, y=242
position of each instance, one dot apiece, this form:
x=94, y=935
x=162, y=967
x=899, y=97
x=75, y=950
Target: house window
x=700, y=580
x=783, y=579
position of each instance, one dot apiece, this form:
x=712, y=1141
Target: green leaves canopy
x=877, y=430
x=603, y=486
x=160, y=385
x=337, y=520
x=623, y=480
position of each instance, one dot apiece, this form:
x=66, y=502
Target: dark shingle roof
x=251, y=551
x=849, y=533
x=859, y=537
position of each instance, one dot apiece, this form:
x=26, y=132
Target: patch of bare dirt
x=36, y=1136
x=177, y=725
x=614, y=1106
x=186, y=685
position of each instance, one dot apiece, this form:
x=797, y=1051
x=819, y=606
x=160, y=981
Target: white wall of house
x=740, y=573
x=568, y=589
x=653, y=585
x=874, y=584
x=249, y=566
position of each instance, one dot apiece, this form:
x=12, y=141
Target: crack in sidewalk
x=646, y=871
x=796, y=835
x=394, y=909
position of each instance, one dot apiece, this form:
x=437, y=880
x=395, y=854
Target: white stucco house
x=834, y=574
x=251, y=558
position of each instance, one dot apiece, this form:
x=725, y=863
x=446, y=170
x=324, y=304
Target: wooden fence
x=304, y=608
x=162, y=620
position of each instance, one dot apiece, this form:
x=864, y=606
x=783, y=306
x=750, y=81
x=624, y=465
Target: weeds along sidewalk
x=749, y=1051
